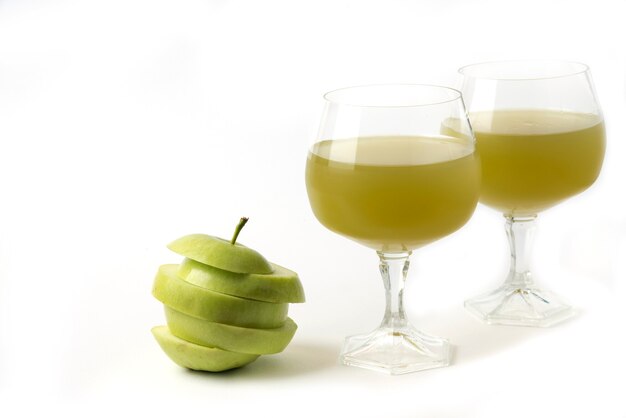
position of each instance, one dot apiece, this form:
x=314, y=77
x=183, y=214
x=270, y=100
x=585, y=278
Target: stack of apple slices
x=225, y=304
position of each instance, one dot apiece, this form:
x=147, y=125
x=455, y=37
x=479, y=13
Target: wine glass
x=382, y=173
x=540, y=137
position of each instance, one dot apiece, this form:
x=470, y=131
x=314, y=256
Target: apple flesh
x=218, y=252
x=198, y=357
x=228, y=337
x=212, y=306
x=280, y=286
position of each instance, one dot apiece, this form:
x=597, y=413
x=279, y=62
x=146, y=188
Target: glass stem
x=393, y=269
x=520, y=231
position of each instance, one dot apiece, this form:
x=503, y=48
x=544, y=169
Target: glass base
x=520, y=305
x=396, y=351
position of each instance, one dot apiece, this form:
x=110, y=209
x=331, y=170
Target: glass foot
x=396, y=351
x=517, y=305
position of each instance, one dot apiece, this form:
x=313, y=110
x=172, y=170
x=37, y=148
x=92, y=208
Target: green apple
x=218, y=252
x=281, y=286
x=213, y=306
x=228, y=337
x=198, y=357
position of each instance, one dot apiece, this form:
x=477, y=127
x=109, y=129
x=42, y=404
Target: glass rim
x=567, y=69
x=452, y=95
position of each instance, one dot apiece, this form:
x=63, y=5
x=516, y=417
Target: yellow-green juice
x=533, y=159
x=393, y=193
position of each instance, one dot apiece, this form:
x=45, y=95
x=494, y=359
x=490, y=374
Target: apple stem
x=241, y=224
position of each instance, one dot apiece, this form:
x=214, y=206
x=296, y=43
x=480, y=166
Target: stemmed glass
x=383, y=173
x=540, y=136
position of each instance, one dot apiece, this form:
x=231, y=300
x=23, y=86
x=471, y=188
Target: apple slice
x=218, y=252
x=281, y=286
x=228, y=337
x=198, y=357
x=213, y=306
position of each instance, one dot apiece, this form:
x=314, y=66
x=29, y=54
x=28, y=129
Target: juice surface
x=533, y=159
x=393, y=193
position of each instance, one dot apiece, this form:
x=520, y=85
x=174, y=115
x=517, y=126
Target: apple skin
x=228, y=337
x=218, y=252
x=281, y=286
x=197, y=357
x=205, y=304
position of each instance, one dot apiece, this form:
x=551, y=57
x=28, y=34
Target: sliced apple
x=281, y=286
x=198, y=357
x=228, y=337
x=218, y=252
x=212, y=306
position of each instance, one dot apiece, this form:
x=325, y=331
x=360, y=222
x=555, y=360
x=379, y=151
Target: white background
x=125, y=124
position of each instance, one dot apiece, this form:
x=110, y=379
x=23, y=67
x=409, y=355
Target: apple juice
x=393, y=193
x=533, y=159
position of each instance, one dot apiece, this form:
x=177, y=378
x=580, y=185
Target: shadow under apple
x=298, y=358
